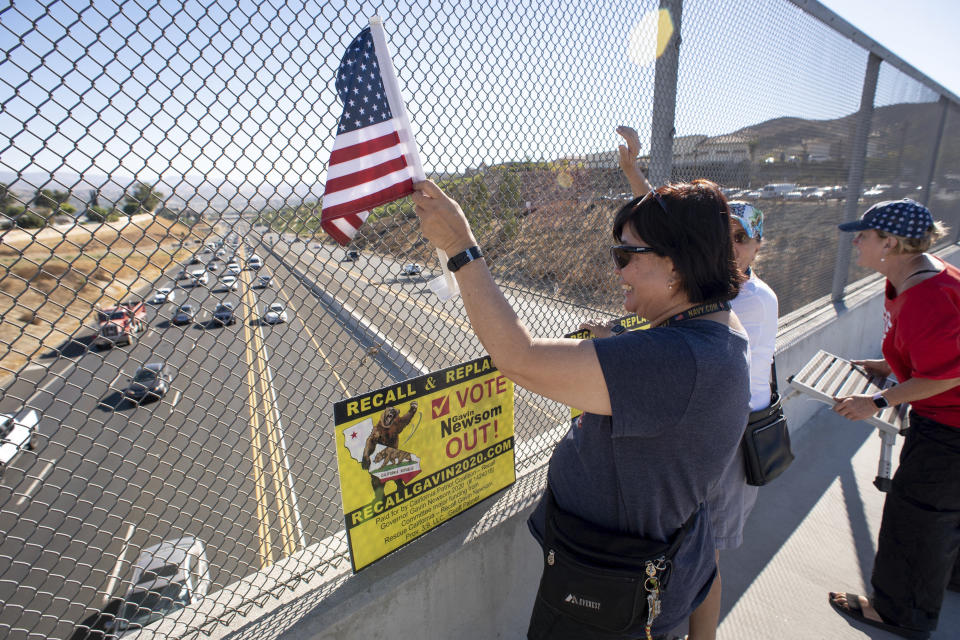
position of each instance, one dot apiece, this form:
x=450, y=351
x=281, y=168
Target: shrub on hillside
x=30, y=220
x=102, y=214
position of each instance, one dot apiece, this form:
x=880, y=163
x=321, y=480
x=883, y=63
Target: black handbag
x=602, y=578
x=766, y=441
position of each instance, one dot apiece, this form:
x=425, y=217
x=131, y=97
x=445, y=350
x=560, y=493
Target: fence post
x=928, y=185
x=858, y=159
x=665, y=102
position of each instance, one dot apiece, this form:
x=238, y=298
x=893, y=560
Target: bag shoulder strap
x=773, y=378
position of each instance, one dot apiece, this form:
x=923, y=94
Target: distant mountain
x=908, y=126
x=192, y=190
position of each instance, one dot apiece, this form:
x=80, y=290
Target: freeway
x=239, y=452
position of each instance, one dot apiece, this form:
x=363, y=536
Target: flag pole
x=390, y=84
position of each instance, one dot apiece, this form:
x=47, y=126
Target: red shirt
x=921, y=339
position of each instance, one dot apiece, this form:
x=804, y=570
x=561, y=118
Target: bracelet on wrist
x=464, y=258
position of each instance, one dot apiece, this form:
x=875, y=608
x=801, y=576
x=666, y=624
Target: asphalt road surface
x=239, y=452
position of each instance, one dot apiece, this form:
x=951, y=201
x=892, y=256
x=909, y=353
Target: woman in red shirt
x=920, y=531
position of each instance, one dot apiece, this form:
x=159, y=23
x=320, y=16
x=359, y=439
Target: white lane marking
x=33, y=485
x=115, y=574
x=60, y=376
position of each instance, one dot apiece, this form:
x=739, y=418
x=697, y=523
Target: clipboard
x=827, y=376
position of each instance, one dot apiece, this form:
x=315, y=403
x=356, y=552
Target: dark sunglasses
x=656, y=196
x=622, y=253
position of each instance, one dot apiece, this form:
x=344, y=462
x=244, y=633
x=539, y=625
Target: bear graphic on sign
x=377, y=448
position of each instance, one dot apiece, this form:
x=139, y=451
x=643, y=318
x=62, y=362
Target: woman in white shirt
x=732, y=499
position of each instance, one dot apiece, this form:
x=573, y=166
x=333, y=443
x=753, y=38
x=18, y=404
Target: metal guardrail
x=207, y=124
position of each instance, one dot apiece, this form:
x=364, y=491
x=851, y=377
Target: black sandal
x=854, y=611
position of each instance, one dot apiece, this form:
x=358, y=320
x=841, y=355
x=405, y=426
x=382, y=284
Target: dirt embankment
x=50, y=282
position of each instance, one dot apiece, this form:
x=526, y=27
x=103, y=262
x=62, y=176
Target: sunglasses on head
x=656, y=196
x=622, y=253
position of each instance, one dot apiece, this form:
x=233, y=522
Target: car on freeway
x=234, y=268
x=838, y=192
x=212, y=266
x=167, y=577
x=17, y=433
x=816, y=194
x=351, y=256
x=275, y=313
x=150, y=382
x=229, y=282
x=220, y=253
x=223, y=314
x=254, y=261
x=793, y=195
x=194, y=260
x=183, y=275
x=199, y=277
x=412, y=269
x=184, y=315
x=164, y=294
x=877, y=191
x=264, y=281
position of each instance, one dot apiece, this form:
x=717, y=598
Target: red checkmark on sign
x=441, y=407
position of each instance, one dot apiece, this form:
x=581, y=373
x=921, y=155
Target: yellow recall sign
x=413, y=455
x=631, y=322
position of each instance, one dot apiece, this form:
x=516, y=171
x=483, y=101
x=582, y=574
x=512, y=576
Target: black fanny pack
x=602, y=578
x=766, y=444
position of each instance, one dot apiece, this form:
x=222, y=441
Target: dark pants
x=920, y=531
x=955, y=578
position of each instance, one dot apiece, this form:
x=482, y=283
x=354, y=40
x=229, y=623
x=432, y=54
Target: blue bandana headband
x=749, y=216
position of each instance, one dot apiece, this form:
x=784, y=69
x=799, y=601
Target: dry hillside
x=51, y=281
x=561, y=250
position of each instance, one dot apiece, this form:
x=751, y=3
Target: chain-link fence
x=162, y=168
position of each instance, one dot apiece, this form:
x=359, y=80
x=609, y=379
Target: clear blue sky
x=245, y=90
x=922, y=32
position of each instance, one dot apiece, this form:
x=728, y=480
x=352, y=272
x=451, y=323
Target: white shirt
x=757, y=308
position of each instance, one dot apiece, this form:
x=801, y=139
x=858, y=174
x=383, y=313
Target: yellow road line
x=263, y=527
x=279, y=484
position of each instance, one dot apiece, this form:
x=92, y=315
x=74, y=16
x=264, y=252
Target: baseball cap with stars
x=905, y=218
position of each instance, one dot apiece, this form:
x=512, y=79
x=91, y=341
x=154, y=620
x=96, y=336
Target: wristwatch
x=617, y=329
x=463, y=258
x=880, y=401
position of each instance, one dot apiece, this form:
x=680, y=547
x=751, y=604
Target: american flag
x=370, y=164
